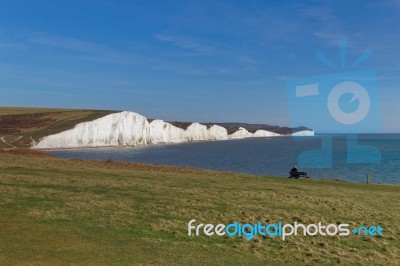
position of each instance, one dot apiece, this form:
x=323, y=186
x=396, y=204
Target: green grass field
x=63, y=211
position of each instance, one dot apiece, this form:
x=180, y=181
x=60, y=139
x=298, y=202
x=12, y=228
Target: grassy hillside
x=58, y=211
x=20, y=126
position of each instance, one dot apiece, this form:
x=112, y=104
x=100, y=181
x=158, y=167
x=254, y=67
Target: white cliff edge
x=241, y=133
x=304, y=133
x=128, y=129
x=163, y=132
x=265, y=133
x=119, y=129
x=132, y=129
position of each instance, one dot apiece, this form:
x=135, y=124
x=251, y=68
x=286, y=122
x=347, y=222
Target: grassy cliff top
x=20, y=125
x=63, y=211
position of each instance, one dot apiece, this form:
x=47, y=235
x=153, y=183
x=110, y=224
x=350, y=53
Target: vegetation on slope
x=19, y=127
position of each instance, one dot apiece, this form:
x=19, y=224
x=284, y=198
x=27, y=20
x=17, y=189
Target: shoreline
x=187, y=168
x=338, y=135
x=156, y=144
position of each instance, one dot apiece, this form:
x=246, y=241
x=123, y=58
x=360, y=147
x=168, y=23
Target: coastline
x=154, y=144
x=167, y=151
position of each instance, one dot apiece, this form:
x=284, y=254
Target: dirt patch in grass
x=20, y=127
x=10, y=124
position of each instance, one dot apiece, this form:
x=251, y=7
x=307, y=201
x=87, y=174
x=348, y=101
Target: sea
x=273, y=156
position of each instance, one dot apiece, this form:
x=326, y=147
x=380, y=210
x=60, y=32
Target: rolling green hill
x=19, y=126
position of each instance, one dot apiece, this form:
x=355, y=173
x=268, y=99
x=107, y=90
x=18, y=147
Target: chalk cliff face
x=132, y=129
x=163, y=132
x=265, y=133
x=304, y=133
x=196, y=132
x=128, y=129
x=218, y=133
x=119, y=129
x=244, y=133
x=240, y=134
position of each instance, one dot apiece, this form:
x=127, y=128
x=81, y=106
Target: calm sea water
x=261, y=156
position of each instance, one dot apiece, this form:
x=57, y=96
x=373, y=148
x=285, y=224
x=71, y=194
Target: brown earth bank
x=21, y=126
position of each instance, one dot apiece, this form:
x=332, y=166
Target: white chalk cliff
x=304, y=133
x=163, y=132
x=241, y=133
x=119, y=129
x=128, y=129
x=196, y=132
x=265, y=133
x=132, y=129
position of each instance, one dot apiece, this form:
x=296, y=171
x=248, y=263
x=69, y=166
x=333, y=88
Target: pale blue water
x=261, y=156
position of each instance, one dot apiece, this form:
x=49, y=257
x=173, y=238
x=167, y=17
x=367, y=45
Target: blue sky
x=219, y=61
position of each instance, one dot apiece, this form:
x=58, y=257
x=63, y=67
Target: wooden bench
x=296, y=174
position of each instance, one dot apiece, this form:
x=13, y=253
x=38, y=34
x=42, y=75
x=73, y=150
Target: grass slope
x=58, y=211
x=20, y=126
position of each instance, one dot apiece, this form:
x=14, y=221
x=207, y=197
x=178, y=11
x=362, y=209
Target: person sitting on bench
x=296, y=174
x=294, y=169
